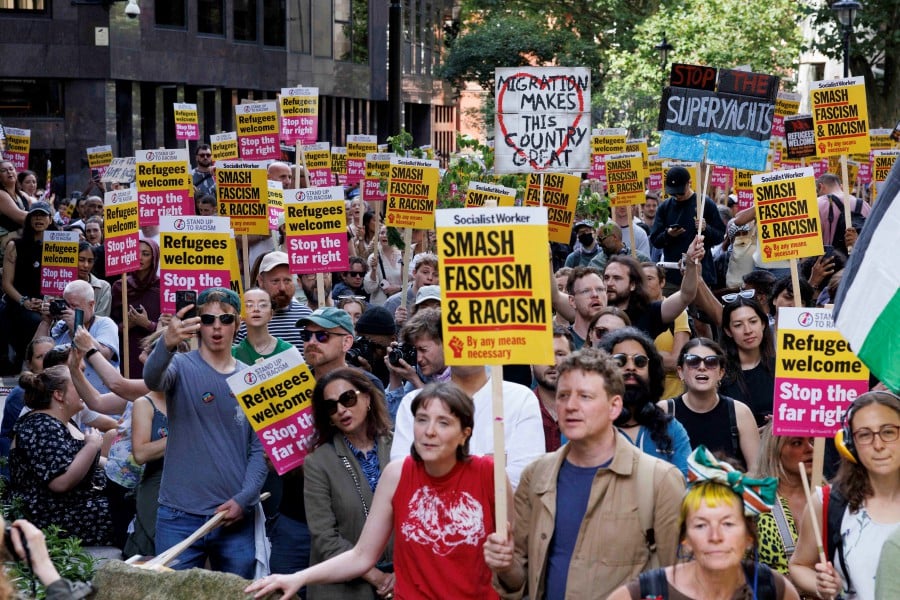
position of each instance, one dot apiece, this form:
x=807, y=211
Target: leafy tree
x=874, y=53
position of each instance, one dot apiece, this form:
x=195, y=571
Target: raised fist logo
x=456, y=345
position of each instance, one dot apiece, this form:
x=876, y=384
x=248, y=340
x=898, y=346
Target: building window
x=30, y=6
x=31, y=98
x=245, y=20
x=211, y=17
x=171, y=13
x=351, y=31
x=274, y=25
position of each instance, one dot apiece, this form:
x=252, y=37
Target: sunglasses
x=224, y=319
x=640, y=360
x=693, y=361
x=355, y=273
x=321, y=336
x=729, y=298
x=348, y=399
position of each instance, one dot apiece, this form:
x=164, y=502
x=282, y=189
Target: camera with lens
x=57, y=307
x=404, y=351
x=361, y=348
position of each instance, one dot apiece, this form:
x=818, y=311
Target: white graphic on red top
x=444, y=520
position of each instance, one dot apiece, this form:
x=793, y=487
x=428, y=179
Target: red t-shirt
x=440, y=525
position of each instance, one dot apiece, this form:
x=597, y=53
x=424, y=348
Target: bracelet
x=90, y=353
x=23, y=300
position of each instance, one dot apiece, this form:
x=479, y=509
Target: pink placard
x=812, y=407
x=318, y=253
x=287, y=442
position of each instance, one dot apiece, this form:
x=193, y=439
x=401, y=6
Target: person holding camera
x=418, y=359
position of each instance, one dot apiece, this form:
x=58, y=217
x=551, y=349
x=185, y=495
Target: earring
x=684, y=553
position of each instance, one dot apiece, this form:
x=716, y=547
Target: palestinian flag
x=867, y=308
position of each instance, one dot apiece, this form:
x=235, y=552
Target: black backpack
x=833, y=505
x=857, y=220
x=654, y=585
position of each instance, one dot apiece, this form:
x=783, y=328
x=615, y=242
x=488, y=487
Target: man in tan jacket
x=578, y=532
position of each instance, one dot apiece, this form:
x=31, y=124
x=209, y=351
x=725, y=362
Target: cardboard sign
x=315, y=226
x=120, y=170
x=787, y=214
x=358, y=146
x=412, y=192
x=59, y=261
x=492, y=263
x=318, y=164
x=799, y=137
x=242, y=195
x=786, y=105
x=164, y=185
x=187, y=123
x=18, y=145
x=883, y=162
x=477, y=193
x=257, y=130
x=625, y=178
x=817, y=375
x=224, y=146
x=99, y=158
x=299, y=115
x=378, y=166
x=276, y=203
x=543, y=119
x=840, y=115
x=120, y=231
x=276, y=396
x=194, y=255
x=560, y=197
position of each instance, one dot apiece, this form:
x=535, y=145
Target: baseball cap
x=222, y=296
x=272, y=260
x=583, y=224
x=428, y=292
x=329, y=318
x=676, y=179
x=39, y=207
x=377, y=320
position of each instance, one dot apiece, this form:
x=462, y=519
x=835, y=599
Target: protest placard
x=358, y=146
x=787, y=214
x=59, y=261
x=412, y=192
x=276, y=204
x=378, y=166
x=743, y=188
x=655, y=173
x=543, y=119
x=799, y=137
x=477, y=193
x=880, y=139
x=224, y=146
x=840, y=116
x=339, y=164
x=120, y=170
x=187, y=123
x=496, y=309
x=883, y=161
x=639, y=145
x=258, y=131
x=315, y=225
x=786, y=105
x=318, y=164
x=299, y=115
x=721, y=177
x=164, y=185
x=276, y=396
x=99, y=158
x=560, y=197
x=194, y=255
x=603, y=143
x=242, y=195
x=18, y=145
x=817, y=375
x=120, y=231
x=625, y=178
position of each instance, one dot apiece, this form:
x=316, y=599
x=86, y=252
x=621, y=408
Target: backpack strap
x=857, y=210
x=784, y=529
x=834, y=515
x=646, y=494
x=826, y=500
x=654, y=585
x=760, y=579
x=732, y=421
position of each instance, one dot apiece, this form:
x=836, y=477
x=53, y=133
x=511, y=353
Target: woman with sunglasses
x=750, y=349
x=351, y=283
x=439, y=505
x=608, y=319
x=714, y=420
x=352, y=448
x=868, y=483
x=259, y=344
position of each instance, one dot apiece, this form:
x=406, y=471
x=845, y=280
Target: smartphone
x=185, y=298
x=829, y=250
x=79, y=319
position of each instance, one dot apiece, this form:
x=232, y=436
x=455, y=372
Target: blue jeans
x=290, y=544
x=229, y=549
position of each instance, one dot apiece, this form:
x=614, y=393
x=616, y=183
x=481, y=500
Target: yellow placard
x=338, y=160
x=608, y=142
x=186, y=114
x=304, y=102
x=625, y=178
x=360, y=145
x=880, y=139
x=787, y=214
x=496, y=310
x=224, y=146
x=840, y=116
x=882, y=163
x=639, y=145
x=234, y=269
x=318, y=156
x=560, y=198
x=412, y=193
x=242, y=195
x=59, y=261
x=257, y=118
x=99, y=156
x=16, y=142
x=478, y=192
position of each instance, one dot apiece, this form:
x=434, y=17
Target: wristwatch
x=90, y=353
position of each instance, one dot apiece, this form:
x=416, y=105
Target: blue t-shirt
x=573, y=485
x=681, y=445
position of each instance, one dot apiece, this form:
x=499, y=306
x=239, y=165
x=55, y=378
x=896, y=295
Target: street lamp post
x=664, y=47
x=846, y=13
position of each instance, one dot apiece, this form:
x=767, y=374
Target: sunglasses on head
x=693, y=361
x=640, y=360
x=224, y=319
x=321, y=336
x=347, y=399
x=741, y=294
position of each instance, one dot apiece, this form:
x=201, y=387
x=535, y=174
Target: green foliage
x=474, y=163
x=592, y=206
x=67, y=555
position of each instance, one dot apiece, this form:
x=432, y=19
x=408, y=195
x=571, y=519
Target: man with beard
x=587, y=297
x=275, y=278
x=546, y=376
x=203, y=176
x=643, y=419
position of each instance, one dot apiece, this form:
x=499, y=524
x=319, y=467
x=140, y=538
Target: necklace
x=267, y=347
